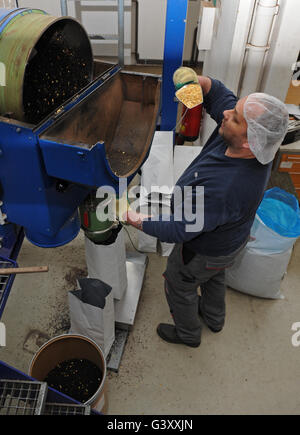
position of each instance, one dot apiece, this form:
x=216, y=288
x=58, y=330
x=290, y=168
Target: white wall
x=8, y=4
x=151, y=28
x=284, y=50
x=50, y=6
x=101, y=18
x=216, y=60
x=225, y=60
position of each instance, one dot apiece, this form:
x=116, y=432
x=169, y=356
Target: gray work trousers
x=183, y=276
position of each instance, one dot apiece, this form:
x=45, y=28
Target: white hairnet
x=267, y=119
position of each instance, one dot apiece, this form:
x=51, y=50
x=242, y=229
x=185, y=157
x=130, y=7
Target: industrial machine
x=99, y=128
x=68, y=124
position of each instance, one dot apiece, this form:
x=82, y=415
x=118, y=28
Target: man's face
x=234, y=126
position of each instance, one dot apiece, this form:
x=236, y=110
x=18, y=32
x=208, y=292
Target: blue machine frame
x=173, y=54
x=29, y=200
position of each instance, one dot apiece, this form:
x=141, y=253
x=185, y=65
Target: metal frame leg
x=64, y=7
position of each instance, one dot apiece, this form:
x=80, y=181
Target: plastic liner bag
x=277, y=222
x=92, y=312
x=107, y=262
x=146, y=243
x=258, y=274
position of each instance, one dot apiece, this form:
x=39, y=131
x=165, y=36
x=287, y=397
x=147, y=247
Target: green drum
x=46, y=59
x=97, y=221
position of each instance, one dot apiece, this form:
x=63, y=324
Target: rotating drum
x=46, y=60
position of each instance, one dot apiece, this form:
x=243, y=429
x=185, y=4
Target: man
x=233, y=168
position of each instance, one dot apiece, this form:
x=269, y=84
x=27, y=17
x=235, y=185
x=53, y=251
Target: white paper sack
x=183, y=157
x=163, y=138
x=108, y=263
x=157, y=179
x=157, y=171
x=95, y=323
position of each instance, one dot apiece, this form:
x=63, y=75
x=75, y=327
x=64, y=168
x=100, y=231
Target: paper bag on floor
x=92, y=312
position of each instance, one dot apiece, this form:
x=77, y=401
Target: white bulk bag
x=257, y=273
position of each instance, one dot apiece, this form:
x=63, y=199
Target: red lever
x=86, y=219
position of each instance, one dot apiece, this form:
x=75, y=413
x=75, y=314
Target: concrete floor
x=251, y=367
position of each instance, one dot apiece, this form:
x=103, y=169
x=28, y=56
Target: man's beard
x=231, y=146
x=223, y=134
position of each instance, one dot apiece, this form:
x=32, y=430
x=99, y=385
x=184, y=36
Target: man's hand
x=135, y=219
x=184, y=75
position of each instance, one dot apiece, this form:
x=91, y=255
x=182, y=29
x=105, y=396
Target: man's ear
x=245, y=145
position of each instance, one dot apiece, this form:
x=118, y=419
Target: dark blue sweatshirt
x=224, y=191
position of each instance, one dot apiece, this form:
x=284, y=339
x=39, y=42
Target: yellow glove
x=122, y=207
x=184, y=75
